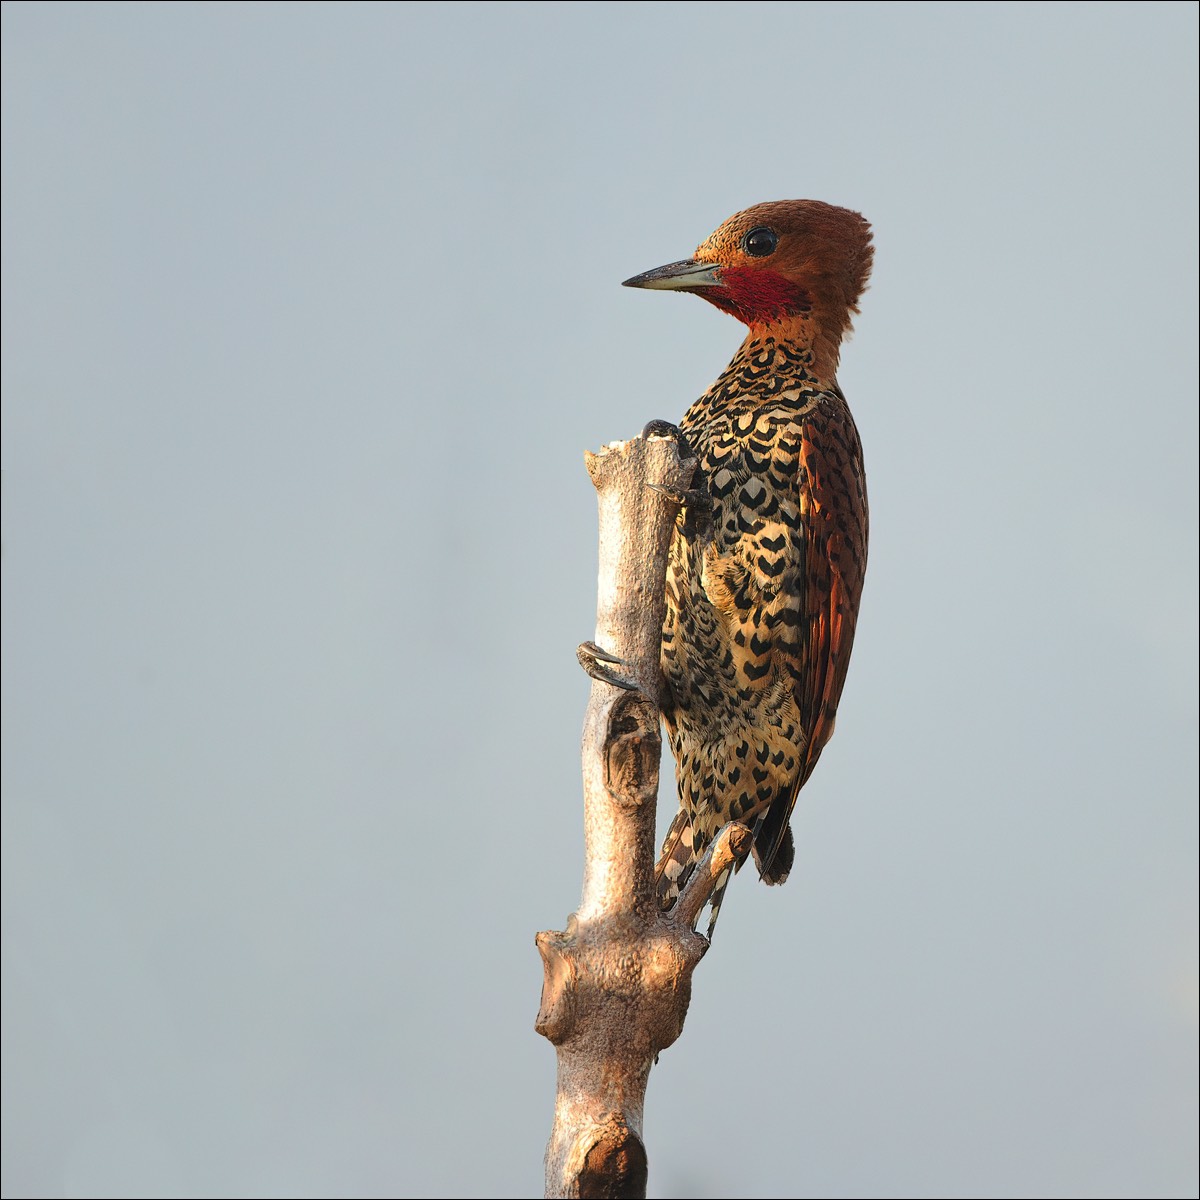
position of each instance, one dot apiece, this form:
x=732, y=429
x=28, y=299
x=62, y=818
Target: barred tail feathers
x=677, y=859
x=682, y=847
x=714, y=905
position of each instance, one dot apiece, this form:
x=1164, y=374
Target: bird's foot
x=697, y=508
x=598, y=664
x=695, y=501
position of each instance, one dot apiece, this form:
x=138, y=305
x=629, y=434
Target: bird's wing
x=835, y=552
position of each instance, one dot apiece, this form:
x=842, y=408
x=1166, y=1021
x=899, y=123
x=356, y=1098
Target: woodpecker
x=767, y=559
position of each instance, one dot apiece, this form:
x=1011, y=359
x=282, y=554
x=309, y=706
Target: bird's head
x=791, y=268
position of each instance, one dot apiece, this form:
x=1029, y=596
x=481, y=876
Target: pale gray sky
x=310, y=312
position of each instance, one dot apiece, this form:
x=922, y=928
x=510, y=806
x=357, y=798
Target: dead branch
x=618, y=979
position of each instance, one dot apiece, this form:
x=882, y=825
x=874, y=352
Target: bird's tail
x=682, y=846
x=714, y=905
x=774, y=871
x=774, y=866
x=677, y=859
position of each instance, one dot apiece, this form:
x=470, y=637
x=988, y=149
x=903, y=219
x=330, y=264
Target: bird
x=767, y=558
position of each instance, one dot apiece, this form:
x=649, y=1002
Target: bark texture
x=618, y=979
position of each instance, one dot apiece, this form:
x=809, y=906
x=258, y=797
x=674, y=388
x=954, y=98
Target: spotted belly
x=731, y=640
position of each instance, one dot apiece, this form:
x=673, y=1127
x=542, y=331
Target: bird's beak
x=678, y=277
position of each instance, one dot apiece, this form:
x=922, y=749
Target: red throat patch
x=757, y=296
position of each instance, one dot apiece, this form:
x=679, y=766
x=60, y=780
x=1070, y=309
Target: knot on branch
x=556, y=1015
x=633, y=746
x=636, y=980
x=614, y=1165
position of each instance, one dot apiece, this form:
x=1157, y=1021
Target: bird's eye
x=760, y=242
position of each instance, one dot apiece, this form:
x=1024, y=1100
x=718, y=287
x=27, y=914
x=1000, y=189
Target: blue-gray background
x=309, y=313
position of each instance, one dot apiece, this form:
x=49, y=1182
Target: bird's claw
x=684, y=497
x=698, y=509
x=600, y=653
x=595, y=662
